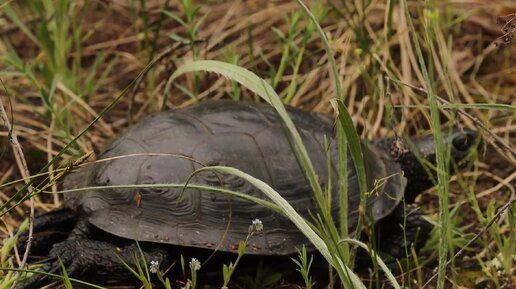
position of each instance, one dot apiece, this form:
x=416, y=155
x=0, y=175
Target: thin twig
x=24, y=170
x=487, y=226
x=464, y=113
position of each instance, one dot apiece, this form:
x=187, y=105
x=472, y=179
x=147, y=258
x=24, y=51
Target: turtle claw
x=51, y=266
x=85, y=258
x=33, y=282
x=49, y=228
x=62, y=254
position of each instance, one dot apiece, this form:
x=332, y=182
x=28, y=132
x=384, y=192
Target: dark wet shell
x=248, y=137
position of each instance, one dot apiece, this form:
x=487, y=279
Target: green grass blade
x=441, y=152
x=355, y=149
x=297, y=219
x=67, y=283
x=9, y=12
x=493, y=106
x=57, y=276
x=379, y=261
x=345, y=130
x=262, y=202
x=267, y=93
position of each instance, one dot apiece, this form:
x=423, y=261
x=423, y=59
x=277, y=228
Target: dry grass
x=477, y=72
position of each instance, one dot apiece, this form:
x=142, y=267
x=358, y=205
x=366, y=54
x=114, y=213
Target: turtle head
x=460, y=142
x=418, y=158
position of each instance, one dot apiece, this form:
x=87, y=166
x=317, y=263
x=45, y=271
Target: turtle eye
x=464, y=141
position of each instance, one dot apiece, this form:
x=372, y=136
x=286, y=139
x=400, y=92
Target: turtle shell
x=167, y=147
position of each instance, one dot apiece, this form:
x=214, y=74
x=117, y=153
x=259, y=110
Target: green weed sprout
x=228, y=270
x=304, y=264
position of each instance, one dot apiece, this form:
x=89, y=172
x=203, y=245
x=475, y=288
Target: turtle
x=99, y=223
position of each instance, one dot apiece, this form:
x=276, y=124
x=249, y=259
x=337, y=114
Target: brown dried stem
x=24, y=170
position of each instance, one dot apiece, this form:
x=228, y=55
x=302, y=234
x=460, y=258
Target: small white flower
x=256, y=226
x=154, y=266
x=195, y=265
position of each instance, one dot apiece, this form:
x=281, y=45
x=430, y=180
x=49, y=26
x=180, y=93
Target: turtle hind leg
x=49, y=228
x=95, y=260
x=404, y=228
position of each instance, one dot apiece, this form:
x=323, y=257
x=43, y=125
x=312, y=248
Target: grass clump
x=58, y=73
x=442, y=153
x=304, y=265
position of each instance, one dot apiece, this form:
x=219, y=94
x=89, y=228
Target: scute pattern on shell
x=248, y=137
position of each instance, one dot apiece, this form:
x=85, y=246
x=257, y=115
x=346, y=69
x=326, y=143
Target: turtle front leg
x=49, y=228
x=405, y=227
x=85, y=258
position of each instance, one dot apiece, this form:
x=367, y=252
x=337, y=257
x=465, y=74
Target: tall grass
x=57, y=72
x=430, y=26
x=19, y=196
x=346, y=137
